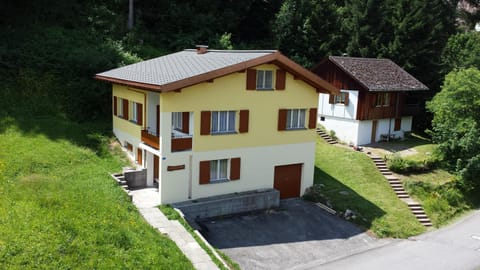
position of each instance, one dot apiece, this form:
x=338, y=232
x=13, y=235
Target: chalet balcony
x=181, y=141
x=151, y=139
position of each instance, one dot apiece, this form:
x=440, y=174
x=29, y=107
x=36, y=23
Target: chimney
x=201, y=49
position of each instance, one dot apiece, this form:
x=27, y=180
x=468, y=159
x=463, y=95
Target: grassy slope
x=369, y=194
x=60, y=209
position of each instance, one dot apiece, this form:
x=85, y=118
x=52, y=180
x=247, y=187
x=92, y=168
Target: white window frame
x=296, y=118
x=227, y=119
x=120, y=107
x=219, y=170
x=133, y=104
x=262, y=83
x=177, y=121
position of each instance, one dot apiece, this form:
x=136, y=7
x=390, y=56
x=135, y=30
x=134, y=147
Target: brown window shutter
x=139, y=114
x=204, y=172
x=158, y=120
x=115, y=105
x=331, y=99
x=206, y=118
x=251, y=79
x=186, y=122
x=125, y=109
x=235, y=169
x=282, y=119
x=346, y=99
x=280, y=79
x=243, y=128
x=312, y=118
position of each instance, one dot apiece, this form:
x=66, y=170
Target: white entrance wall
x=360, y=132
x=256, y=170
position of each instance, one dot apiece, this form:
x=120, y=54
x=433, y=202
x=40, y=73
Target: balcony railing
x=151, y=139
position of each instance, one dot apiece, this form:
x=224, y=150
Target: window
x=221, y=170
x=264, y=80
x=177, y=120
x=342, y=98
x=295, y=118
x=134, y=112
x=120, y=107
x=223, y=122
x=383, y=99
x=218, y=170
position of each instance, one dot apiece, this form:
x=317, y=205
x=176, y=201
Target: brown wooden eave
x=145, y=86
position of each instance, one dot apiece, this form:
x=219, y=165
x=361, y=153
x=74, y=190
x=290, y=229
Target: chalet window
x=339, y=99
x=223, y=122
x=137, y=112
x=383, y=99
x=264, y=80
x=295, y=119
x=120, y=107
x=177, y=120
x=219, y=170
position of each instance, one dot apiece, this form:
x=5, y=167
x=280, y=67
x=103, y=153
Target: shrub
x=400, y=165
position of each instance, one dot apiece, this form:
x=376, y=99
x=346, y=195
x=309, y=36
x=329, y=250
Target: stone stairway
x=401, y=193
x=120, y=179
x=326, y=137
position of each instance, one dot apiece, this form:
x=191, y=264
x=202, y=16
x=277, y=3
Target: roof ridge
x=234, y=51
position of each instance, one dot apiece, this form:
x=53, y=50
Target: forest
x=51, y=49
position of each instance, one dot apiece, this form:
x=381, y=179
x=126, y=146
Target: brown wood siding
x=205, y=125
x=125, y=109
x=129, y=147
x=312, y=118
x=186, y=122
x=280, y=79
x=367, y=109
x=139, y=114
x=235, y=169
x=331, y=99
x=282, y=119
x=139, y=156
x=374, y=131
x=204, y=172
x=251, y=79
x=287, y=180
x=152, y=140
x=336, y=76
x=346, y=99
x=115, y=106
x=243, y=126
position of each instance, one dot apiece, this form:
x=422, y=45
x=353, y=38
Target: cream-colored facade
x=260, y=150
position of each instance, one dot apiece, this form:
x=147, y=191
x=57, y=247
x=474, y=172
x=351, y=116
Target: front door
x=374, y=131
x=156, y=163
x=287, y=180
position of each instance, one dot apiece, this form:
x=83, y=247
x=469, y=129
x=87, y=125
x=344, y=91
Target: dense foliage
x=456, y=123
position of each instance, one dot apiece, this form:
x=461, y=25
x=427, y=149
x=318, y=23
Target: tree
x=462, y=51
x=456, y=123
x=307, y=30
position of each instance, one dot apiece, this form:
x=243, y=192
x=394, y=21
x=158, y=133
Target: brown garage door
x=287, y=180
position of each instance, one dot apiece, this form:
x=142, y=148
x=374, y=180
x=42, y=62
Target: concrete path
x=454, y=247
x=147, y=200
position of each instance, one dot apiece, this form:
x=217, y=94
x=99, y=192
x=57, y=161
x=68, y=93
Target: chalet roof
x=185, y=68
x=378, y=74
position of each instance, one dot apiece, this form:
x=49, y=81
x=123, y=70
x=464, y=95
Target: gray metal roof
x=378, y=74
x=181, y=65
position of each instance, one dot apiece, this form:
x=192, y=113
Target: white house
x=375, y=102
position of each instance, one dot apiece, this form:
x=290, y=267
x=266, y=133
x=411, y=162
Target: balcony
x=151, y=139
x=181, y=141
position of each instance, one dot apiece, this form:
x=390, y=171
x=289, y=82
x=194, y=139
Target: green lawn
x=59, y=209
x=352, y=182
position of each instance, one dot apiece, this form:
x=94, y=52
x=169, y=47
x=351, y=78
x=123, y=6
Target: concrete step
x=418, y=212
x=381, y=166
x=403, y=196
x=421, y=216
x=122, y=183
x=399, y=189
x=392, y=177
x=387, y=173
x=395, y=184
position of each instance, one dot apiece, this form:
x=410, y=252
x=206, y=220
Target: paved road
x=297, y=236
x=454, y=247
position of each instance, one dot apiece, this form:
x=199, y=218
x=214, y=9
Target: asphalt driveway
x=299, y=235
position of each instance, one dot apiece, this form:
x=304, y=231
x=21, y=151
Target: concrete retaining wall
x=136, y=178
x=230, y=204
